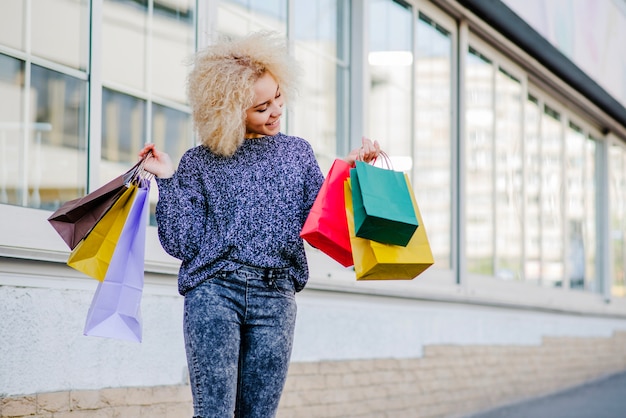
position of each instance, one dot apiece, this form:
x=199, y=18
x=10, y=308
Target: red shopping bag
x=326, y=227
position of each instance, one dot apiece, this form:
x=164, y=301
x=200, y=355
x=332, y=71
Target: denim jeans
x=238, y=330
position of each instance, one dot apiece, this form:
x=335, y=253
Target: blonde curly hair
x=220, y=86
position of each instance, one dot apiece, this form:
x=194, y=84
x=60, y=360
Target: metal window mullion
x=291, y=48
x=413, y=113
x=621, y=214
x=455, y=133
x=523, y=209
x=26, y=103
x=565, y=195
x=459, y=160
x=148, y=58
x=602, y=217
x=94, y=108
x=494, y=172
x=541, y=220
x=359, y=80
x=342, y=63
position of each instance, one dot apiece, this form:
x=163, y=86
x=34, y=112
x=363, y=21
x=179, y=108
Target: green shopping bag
x=383, y=209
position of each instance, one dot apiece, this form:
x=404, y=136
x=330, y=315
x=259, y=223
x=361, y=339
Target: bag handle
x=137, y=174
x=383, y=156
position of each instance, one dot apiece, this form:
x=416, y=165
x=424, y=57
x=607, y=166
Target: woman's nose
x=277, y=109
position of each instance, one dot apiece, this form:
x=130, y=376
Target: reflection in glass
x=239, y=17
x=60, y=31
x=589, y=217
x=532, y=185
x=171, y=131
x=123, y=132
x=321, y=47
x=575, y=183
x=551, y=204
x=391, y=74
x=432, y=152
x=173, y=42
x=617, y=193
x=125, y=40
x=13, y=168
x=479, y=151
x=54, y=149
x=12, y=23
x=508, y=166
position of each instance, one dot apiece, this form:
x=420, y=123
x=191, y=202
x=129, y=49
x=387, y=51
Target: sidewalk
x=605, y=398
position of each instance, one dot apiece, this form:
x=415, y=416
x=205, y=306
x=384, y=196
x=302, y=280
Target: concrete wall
x=426, y=347
x=43, y=306
x=447, y=381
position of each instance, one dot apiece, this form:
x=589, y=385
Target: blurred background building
x=509, y=116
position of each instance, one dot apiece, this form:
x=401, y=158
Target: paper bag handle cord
x=383, y=155
x=138, y=171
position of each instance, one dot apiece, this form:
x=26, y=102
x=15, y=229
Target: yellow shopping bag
x=93, y=254
x=377, y=261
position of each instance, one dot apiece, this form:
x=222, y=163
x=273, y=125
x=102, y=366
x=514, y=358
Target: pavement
x=604, y=398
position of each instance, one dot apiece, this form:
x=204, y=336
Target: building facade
x=509, y=116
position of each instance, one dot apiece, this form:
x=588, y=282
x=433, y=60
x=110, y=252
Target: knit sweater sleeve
x=180, y=211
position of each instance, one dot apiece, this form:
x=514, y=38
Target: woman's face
x=263, y=118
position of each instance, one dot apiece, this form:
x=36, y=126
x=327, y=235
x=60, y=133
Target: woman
x=232, y=212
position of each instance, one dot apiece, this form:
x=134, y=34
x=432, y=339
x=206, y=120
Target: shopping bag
x=382, y=205
x=377, y=261
x=115, y=310
x=326, y=227
x=93, y=254
x=76, y=218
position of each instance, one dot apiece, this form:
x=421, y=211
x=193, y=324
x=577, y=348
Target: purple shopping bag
x=115, y=309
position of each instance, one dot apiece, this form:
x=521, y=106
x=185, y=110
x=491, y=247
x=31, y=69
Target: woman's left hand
x=368, y=152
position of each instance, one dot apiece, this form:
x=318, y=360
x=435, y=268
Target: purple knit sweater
x=218, y=213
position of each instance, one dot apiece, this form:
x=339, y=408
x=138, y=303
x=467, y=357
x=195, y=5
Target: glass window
x=42, y=152
x=479, y=155
x=617, y=192
x=532, y=185
x=60, y=31
x=590, y=225
x=154, y=39
x=171, y=131
x=575, y=186
x=508, y=168
x=391, y=79
x=239, y=17
x=560, y=212
x=173, y=42
x=551, y=204
x=125, y=40
x=432, y=151
x=12, y=23
x=123, y=131
x=321, y=47
x=13, y=168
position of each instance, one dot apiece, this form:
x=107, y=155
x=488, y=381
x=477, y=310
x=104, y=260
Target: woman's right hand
x=158, y=163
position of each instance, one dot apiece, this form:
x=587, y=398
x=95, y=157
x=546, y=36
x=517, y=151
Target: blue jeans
x=238, y=330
